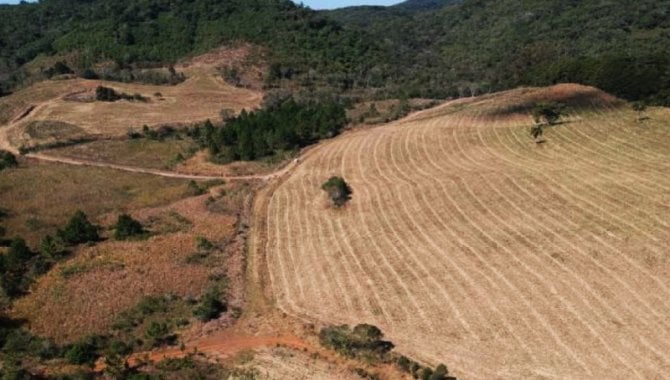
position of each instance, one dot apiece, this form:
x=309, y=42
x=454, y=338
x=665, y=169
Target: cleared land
x=469, y=244
x=59, y=110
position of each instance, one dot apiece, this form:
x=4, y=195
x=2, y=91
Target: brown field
x=85, y=293
x=469, y=244
x=41, y=197
x=143, y=152
x=68, y=102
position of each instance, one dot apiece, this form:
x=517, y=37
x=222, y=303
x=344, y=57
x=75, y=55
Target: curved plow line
x=340, y=234
x=613, y=216
x=329, y=273
x=611, y=309
x=567, y=270
x=412, y=225
x=615, y=276
x=533, y=311
x=563, y=267
x=604, y=221
x=599, y=169
x=383, y=257
x=539, y=172
x=399, y=245
x=446, y=241
x=653, y=142
x=541, y=277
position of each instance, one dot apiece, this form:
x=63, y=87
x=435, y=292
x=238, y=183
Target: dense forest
x=419, y=48
x=285, y=126
x=473, y=46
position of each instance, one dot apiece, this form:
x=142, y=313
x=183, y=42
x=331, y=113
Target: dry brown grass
x=138, y=152
x=469, y=244
x=200, y=97
x=84, y=295
x=41, y=197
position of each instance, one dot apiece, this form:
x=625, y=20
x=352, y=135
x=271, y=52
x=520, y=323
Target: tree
x=79, y=230
x=548, y=112
x=338, y=190
x=7, y=160
x=210, y=306
x=51, y=247
x=127, y=227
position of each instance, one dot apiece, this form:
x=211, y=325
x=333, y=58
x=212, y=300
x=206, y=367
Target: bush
x=81, y=353
x=549, y=112
x=363, y=341
x=106, y=94
x=210, y=306
x=79, y=230
x=127, y=227
x=338, y=190
x=7, y=160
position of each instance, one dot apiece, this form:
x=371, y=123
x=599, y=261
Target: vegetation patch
x=285, y=126
x=7, y=160
x=339, y=191
x=106, y=94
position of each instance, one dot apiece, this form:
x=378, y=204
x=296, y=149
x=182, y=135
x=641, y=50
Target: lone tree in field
x=79, y=230
x=547, y=112
x=127, y=227
x=338, y=190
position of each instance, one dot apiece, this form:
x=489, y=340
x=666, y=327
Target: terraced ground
x=469, y=244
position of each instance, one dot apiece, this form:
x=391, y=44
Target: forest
x=420, y=48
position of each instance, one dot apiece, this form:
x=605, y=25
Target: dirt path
x=162, y=173
x=222, y=346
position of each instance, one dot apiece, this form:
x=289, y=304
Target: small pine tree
x=127, y=227
x=210, y=306
x=79, y=230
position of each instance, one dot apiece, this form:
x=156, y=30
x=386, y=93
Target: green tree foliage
x=364, y=341
x=14, y=267
x=126, y=227
x=83, y=352
x=286, y=126
x=79, y=230
x=547, y=112
x=338, y=191
x=7, y=160
x=106, y=94
x=210, y=305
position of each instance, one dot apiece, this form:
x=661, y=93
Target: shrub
x=210, y=306
x=7, y=160
x=127, y=227
x=338, y=190
x=363, y=341
x=549, y=112
x=106, y=94
x=79, y=230
x=83, y=352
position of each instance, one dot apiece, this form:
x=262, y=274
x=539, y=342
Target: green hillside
x=475, y=45
x=419, y=48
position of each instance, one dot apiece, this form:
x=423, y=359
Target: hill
x=482, y=249
x=478, y=46
x=153, y=32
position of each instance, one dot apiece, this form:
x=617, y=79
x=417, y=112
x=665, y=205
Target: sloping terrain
x=54, y=111
x=470, y=244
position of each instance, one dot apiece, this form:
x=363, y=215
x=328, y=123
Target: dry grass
x=138, y=152
x=85, y=294
x=200, y=97
x=41, y=197
x=469, y=244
